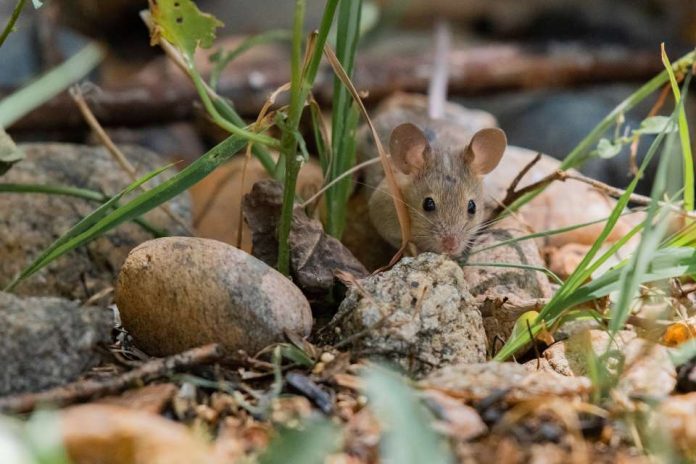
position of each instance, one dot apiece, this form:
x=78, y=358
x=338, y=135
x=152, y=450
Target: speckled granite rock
x=31, y=222
x=45, y=342
x=418, y=314
x=176, y=293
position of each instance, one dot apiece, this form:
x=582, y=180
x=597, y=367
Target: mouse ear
x=409, y=148
x=485, y=150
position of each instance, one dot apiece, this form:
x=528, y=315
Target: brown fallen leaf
x=314, y=256
x=108, y=434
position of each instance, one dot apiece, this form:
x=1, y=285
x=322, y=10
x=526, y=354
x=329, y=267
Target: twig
x=513, y=195
x=615, y=192
x=126, y=166
x=89, y=389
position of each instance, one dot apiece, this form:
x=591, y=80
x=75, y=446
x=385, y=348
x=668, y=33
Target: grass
x=30, y=97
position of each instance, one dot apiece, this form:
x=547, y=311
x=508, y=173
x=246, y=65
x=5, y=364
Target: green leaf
x=139, y=205
x=309, y=445
x=656, y=125
x=183, y=24
x=607, y=149
x=9, y=153
x=408, y=437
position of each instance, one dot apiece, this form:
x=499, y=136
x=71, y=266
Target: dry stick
x=512, y=195
x=90, y=389
x=79, y=99
x=397, y=197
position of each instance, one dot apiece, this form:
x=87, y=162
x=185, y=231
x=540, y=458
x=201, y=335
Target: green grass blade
x=687, y=156
x=408, y=437
x=85, y=194
x=581, y=152
x=526, y=267
x=9, y=26
x=138, y=206
x=558, y=302
x=344, y=118
x=28, y=98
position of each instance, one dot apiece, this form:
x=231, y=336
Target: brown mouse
x=440, y=153
x=441, y=185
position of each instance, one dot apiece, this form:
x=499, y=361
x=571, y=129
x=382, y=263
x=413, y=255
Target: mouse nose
x=450, y=243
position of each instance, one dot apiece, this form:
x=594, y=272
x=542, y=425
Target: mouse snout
x=449, y=243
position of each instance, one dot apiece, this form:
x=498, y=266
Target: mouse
x=439, y=165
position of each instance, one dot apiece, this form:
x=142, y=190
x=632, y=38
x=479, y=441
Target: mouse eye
x=471, y=208
x=429, y=204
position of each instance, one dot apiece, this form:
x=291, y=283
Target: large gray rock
x=45, y=342
x=31, y=222
x=419, y=314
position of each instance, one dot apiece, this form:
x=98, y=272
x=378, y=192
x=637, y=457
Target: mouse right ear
x=409, y=148
x=485, y=150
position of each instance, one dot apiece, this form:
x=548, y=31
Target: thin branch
x=90, y=389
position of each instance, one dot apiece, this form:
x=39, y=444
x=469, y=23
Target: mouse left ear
x=409, y=148
x=485, y=150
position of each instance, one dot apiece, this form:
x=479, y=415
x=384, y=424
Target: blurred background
x=549, y=70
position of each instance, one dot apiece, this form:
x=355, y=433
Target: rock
x=46, y=342
x=503, y=292
x=419, y=314
x=29, y=223
x=176, y=293
x=110, y=434
x=678, y=418
x=314, y=255
x=561, y=204
x=644, y=369
x=474, y=382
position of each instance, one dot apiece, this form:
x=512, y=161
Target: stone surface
x=176, y=293
x=46, y=342
x=31, y=222
x=644, y=369
x=503, y=292
x=678, y=417
x=314, y=255
x=418, y=314
x=478, y=381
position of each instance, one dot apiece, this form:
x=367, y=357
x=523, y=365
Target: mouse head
x=443, y=185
